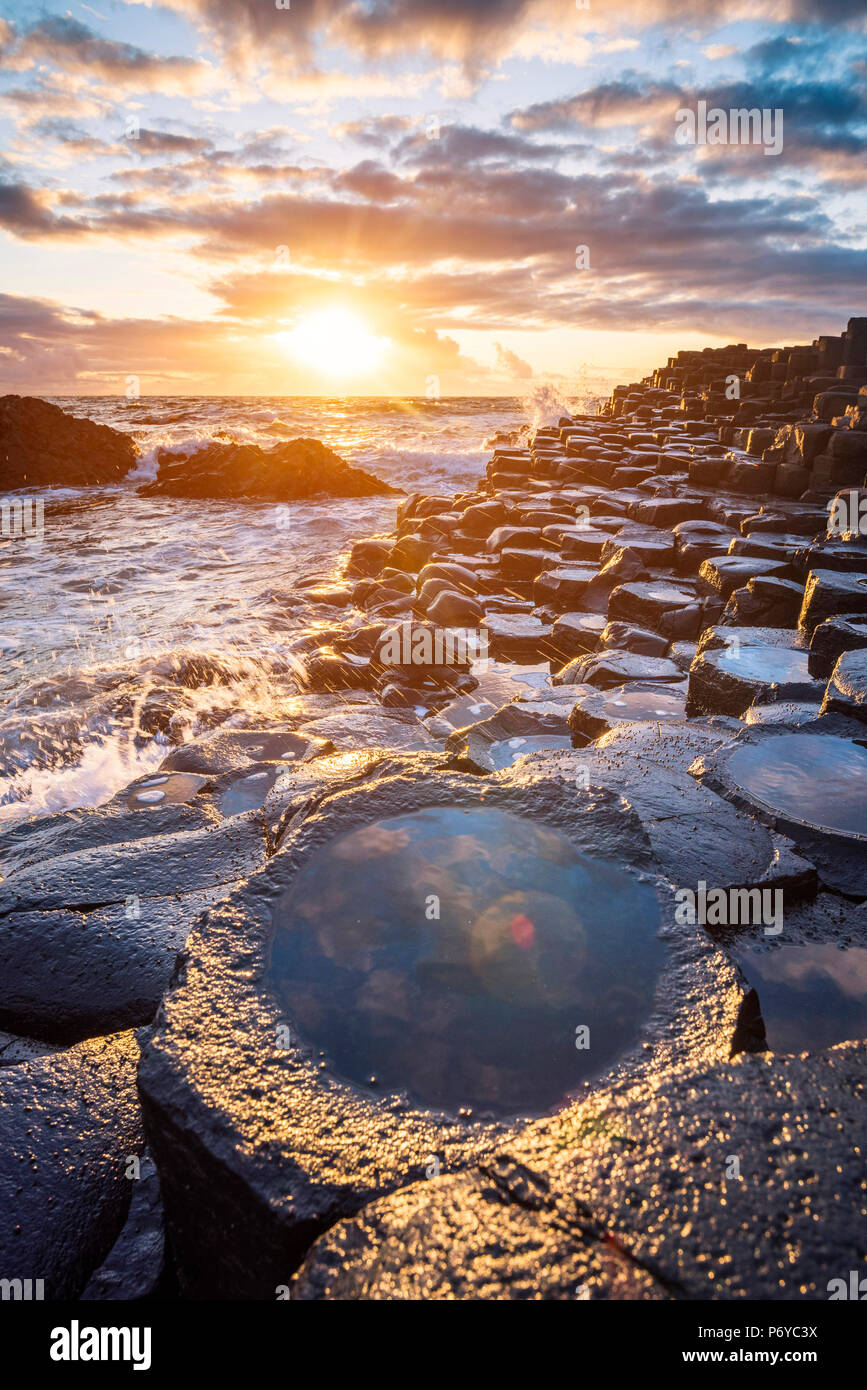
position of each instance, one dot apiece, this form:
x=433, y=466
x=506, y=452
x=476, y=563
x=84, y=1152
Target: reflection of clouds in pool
x=544, y=967
x=387, y=992
x=371, y=840
x=813, y=779
x=800, y=965
x=812, y=995
x=476, y=1003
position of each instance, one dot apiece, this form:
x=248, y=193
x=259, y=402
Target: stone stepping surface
x=68, y=1123
x=259, y=1069
x=811, y=786
x=730, y=680
x=595, y=1159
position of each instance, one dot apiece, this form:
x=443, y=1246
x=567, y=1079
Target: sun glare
x=334, y=341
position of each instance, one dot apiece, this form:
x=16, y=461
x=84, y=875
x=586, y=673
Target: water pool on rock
x=508, y=750
x=810, y=778
x=172, y=788
x=812, y=995
x=479, y=1005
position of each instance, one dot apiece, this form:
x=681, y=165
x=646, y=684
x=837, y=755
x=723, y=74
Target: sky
x=388, y=197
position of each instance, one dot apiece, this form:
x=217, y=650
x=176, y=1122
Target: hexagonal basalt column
x=811, y=786
x=399, y=990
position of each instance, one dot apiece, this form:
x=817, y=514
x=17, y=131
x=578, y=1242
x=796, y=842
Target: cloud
x=624, y=102
x=63, y=350
x=26, y=212
x=511, y=364
x=478, y=34
x=457, y=144
x=379, y=131
x=71, y=46
x=483, y=243
x=825, y=120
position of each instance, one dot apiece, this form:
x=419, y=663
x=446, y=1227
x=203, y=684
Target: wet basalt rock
x=600, y=712
x=728, y=681
x=692, y=831
x=227, y=751
x=489, y=745
x=153, y=867
x=847, y=689
x=250, y=1119
x=69, y=1122
x=830, y=639
x=634, y=1194
x=609, y=668
x=810, y=786
x=43, y=838
x=291, y=471
x=135, y=1267
x=352, y=1063
x=43, y=446
x=66, y=975
x=829, y=594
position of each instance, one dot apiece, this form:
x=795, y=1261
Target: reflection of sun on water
x=334, y=341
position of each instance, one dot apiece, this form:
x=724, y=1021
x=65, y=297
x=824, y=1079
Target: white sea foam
x=125, y=586
x=106, y=766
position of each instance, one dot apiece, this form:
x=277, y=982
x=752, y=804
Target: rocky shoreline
x=42, y=446
x=632, y=662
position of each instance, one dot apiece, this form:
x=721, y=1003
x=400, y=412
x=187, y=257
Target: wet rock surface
x=628, y=666
x=730, y=680
x=847, y=689
x=297, y=469
x=135, y=1267
x=68, y=975
x=42, y=446
x=809, y=785
x=634, y=1195
x=230, y=1088
x=69, y=1122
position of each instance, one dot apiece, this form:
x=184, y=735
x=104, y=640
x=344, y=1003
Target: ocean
x=103, y=618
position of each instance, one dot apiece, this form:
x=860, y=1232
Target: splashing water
x=139, y=623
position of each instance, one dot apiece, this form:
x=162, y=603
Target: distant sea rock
x=42, y=446
x=288, y=472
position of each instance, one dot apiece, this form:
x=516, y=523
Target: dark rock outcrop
x=42, y=446
x=69, y=1123
x=560, y=1214
x=289, y=472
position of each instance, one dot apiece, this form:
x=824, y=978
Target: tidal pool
x=641, y=702
x=172, y=788
x=813, y=779
x=247, y=793
x=454, y=953
x=777, y=665
x=508, y=750
x=812, y=995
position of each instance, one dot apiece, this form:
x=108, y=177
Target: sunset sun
x=334, y=341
